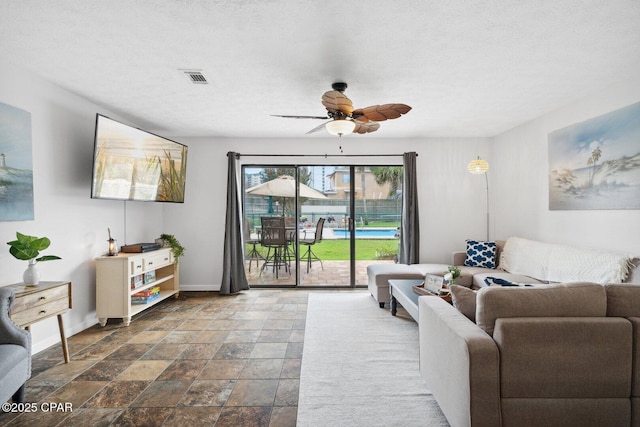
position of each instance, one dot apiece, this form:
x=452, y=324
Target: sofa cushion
x=481, y=254
x=472, y=271
x=571, y=357
x=424, y=269
x=580, y=299
x=464, y=299
x=605, y=412
x=623, y=300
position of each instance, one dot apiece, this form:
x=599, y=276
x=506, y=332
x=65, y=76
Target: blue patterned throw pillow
x=481, y=254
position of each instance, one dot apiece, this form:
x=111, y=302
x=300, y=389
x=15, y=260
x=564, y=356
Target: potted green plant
x=385, y=253
x=27, y=248
x=176, y=248
x=455, y=273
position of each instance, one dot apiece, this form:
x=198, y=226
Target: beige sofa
x=550, y=355
x=520, y=261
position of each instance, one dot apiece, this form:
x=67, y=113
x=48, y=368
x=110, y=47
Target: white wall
x=448, y=193
x=519, y=182
x=62, y=143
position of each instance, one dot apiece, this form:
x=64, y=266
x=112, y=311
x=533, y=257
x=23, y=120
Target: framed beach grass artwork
x=16, y=170
x=595, y=164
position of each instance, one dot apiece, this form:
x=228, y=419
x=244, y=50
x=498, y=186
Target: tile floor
x=202, y=359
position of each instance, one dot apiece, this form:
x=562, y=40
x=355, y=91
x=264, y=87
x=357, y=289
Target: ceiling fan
x=344, y=119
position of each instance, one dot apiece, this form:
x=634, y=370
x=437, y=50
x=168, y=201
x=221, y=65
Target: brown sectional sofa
x=552, y=355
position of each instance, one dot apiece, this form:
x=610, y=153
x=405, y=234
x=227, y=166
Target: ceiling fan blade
x=318, y=128
x=336, y=101
x=367, y=127
x=300, y=117
x=380, y=113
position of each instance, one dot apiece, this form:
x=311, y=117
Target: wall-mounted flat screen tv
x=131, y=164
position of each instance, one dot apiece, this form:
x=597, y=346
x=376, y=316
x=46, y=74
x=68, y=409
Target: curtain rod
x=238, y=155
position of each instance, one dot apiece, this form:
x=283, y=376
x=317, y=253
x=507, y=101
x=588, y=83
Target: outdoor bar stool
x=309, y=255
x=253, y=253
x=274, y=238
x=291, y=228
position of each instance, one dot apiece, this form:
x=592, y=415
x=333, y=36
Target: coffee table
x=401, y=291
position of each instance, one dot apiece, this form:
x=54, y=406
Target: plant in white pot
x=27, y=248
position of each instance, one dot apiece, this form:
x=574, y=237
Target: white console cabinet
x=117, y=275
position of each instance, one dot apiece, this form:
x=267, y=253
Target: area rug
x=360, y=366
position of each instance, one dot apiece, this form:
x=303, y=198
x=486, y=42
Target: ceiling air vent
x=196, y=77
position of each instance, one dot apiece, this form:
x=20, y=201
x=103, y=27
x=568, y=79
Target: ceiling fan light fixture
x=345, y=119
x=340, y=127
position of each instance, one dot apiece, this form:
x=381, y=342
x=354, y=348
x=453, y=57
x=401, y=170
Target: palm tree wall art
x=595, y=164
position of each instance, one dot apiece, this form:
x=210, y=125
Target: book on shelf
x=137, y=281
x=145, y=300
x=147, y=292
x=149, y=276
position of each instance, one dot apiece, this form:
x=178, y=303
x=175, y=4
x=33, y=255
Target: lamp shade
x=478, y=166
x=340, y=126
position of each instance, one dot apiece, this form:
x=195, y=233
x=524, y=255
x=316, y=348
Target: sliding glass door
x=338, y=220
x=377, y=210
x=326, y=257
x=270, y=254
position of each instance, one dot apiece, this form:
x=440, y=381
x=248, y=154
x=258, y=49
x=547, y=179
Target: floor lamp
x=477, y=167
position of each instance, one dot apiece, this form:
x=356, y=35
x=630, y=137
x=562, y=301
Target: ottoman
x=379, y=275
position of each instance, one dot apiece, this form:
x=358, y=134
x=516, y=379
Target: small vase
x=31, y=276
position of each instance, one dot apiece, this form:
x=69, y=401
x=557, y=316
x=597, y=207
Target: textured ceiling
x=468, y=68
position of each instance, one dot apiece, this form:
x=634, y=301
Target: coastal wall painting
x=595, y=164
x=16, y=170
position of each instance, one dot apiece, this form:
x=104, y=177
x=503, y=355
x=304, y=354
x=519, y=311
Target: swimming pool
x=367, y=233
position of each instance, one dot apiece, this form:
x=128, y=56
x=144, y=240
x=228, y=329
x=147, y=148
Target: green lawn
x=338, y=250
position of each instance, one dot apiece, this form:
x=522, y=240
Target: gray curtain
x=410, y=229
x=234, y=278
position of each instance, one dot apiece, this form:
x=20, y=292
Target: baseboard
x=201, y=288
x=54, y=339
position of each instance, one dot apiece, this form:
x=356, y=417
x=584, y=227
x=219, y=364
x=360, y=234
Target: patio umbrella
x=284, y=186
